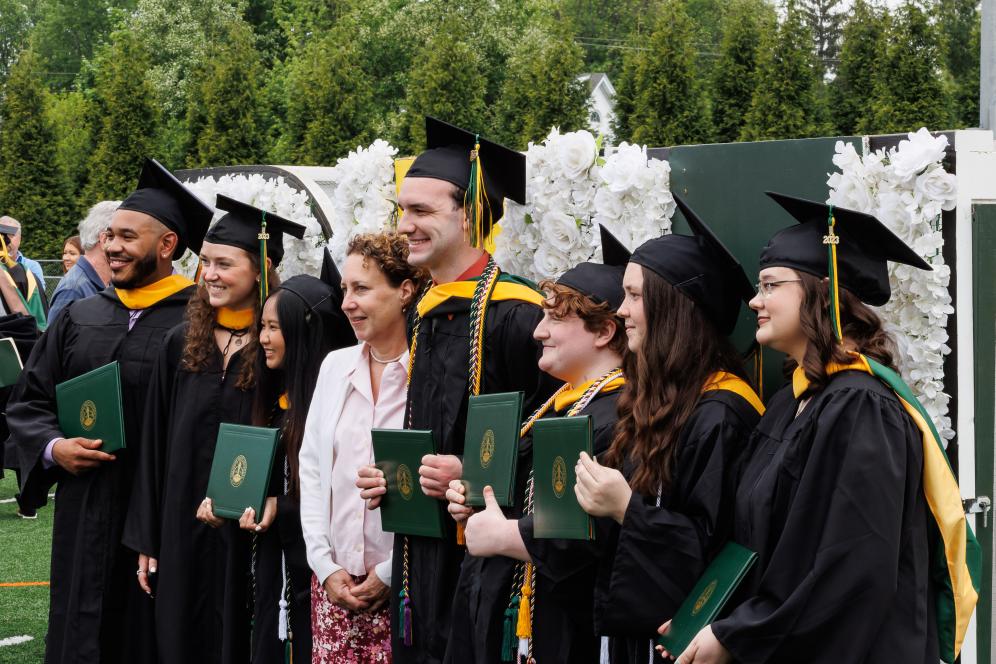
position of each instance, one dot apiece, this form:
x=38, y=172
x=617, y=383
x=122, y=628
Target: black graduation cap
x=243, y=224
x=321, y=300
x=864, y=248
x=602, y=282
x=701, y=267
x=448, y=156
x=162, y=196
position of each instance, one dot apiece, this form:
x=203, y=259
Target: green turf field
x=24, y=556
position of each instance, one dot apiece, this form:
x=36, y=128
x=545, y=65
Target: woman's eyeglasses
x=766, y=288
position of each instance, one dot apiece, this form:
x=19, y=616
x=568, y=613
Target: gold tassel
x=476, y=198
x=460, y=537
x=524, y=628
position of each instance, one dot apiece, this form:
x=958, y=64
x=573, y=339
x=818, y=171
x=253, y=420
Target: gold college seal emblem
x=487, y=448
x=88, y=414
x=238, y=472
x=559, y=477
x=405, y=482
x=704, y=598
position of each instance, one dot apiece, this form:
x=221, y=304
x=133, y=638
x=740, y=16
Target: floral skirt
x=340, y=636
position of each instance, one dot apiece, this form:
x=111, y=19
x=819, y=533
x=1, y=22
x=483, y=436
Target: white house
x=601, y=103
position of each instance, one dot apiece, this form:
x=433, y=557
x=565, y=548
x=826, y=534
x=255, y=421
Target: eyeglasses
x=767, y=288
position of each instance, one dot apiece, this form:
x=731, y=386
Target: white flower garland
x=907, y=188
x=570, y=191
x=273, y=195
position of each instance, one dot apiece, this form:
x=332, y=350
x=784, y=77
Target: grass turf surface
x=25, y=551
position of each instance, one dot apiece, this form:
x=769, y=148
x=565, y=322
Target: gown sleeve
x=144, y=520
x=662, y=551
x=840, y=544
x=32, y=416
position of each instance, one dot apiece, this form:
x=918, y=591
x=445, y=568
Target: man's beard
x=141, y=268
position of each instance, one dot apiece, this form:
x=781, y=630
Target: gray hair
x=97, y=220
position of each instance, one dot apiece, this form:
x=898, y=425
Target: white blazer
x=315, y=462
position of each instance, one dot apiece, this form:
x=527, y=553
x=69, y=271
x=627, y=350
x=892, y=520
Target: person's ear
x=407, y=289
x=167, y=244
x=605, y=334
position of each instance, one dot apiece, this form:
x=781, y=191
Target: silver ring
x=140, y=572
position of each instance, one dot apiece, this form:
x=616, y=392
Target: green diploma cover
x=405, y=509
x=10, y=363
x=89, y=406
x=491, y=446
x=707, y=598
x=557, y=445
x=240, y=472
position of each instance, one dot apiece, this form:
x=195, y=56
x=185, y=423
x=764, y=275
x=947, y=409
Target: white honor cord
x=603, y=656
x=282, y=625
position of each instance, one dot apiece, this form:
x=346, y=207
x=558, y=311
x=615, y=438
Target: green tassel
x=509, y=642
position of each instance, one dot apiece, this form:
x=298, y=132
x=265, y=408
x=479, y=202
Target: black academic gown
x=563, y=630
x=283, y=541
x=832, y=501
x=203, y=581
x=658, y=553
x=24, y=331
x=437, y=400
x=97, y=613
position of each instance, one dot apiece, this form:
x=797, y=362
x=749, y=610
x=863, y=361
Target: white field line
x=15, y=640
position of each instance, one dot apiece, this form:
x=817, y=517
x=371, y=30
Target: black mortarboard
x=602, y=282
x=864, y=248
x=449, y=156
x=320, y=298
x=162, y=196
x=243, y=224
x=701, y=267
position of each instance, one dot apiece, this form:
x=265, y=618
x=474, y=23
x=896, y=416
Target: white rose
x=917, y=152
x=624, y=168
x=548, y=263
x=560, y=230
x=849, y=191
x=575, y=153
x=938, y=185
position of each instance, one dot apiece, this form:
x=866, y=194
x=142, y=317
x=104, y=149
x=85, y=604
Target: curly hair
x=861, y=326
x=390, y=252
x=199, y=343
x=664, y=381
x=562, y=301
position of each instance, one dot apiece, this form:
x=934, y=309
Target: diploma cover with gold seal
x=557, y=445
x=89, y=406
x=491, y=446
x=240, y=472
x=708, y=597
x=405, y=509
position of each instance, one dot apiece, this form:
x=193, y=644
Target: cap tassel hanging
x=264, y=279
x=476, y=198
x=509, y=642
x=831, y=239
x=5, y=254
x=524, y=628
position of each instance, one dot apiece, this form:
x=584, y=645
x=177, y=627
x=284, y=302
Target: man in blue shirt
x=15, y=251
x=91, y=274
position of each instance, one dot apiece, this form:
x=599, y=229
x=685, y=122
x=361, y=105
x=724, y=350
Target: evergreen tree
x=223, y=115
x=328, y=96
x=606, y=27
x=15, y=24
x=446, y=82
x=825, y=19
x=787, y=100
x=69, y=32
x=625, y=100
x=669, y=104
x=541, y=88
x=746, y=24
x=861, y=54
x=33, y=187
x=909, y=90
x=71, y=117
x=960, y=24
x=128, y=119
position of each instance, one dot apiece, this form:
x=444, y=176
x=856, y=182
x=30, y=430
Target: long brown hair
x=199, y=344
x=861, y=326
x=664, y=380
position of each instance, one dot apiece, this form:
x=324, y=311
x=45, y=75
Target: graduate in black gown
x=686, y=412
x=835, y=498
x=205, y=375
x=448, y=232
x=584, y=345
x=96, y=611
x=301, y=322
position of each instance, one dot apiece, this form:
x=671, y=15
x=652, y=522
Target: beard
x=141, y=269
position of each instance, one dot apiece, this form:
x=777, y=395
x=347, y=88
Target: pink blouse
x=358, y=543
